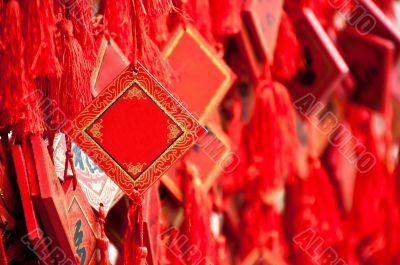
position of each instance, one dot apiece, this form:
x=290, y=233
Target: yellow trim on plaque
x=134, y=169
x=206, y=49
x=95, y=130
x=134, y=82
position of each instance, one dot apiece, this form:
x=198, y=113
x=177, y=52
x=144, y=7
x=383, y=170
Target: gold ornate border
x=189, y=125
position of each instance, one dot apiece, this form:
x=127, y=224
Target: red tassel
x=119, y=25
x=197, y=213
x=226, y=17
x=74, y=91
x=144, y=48
x=40, y=49
x=79, y=12
x=288, y=55
x=159, y=7
x=102, y=241
x=20, y=106
x=134, y=236
x=199, y=13
x=271, y=134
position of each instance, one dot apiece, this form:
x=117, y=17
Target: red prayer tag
x=110, y=62
x=202, y=77
x=370, y=60
x=94, y=182
x=35, y=235
x=263, y=18
x=83, y=224
x=210, y=155
x=373, y=20
x=52, y=207
x=324, y=67
x=253, y=60
x=134, y=130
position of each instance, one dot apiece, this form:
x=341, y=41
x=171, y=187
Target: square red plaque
x=134, y=130
x=202, y=77
x=263, y=18
x=324, y=66
x=370, y=59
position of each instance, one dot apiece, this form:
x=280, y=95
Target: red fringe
x=226, y=17
x=288, y=58
x=74, y=91
x=145, y=50
x=20, y=105
x=272, y=134
x=119, y=25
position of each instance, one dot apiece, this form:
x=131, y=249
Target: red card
x=97, y=186
x=83, y=224
x=324, y=67
x=208, y=155
x=263, y=18
x=248, y=52
x=35, y=234
x=384, y=27
x=202, y=77
x=370, y=59
x=52, y=207
x=134, y=130
x=110, y=62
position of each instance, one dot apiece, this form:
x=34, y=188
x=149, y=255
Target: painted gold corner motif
x=95, y=130
x=189, y=126
x=135, y=169
x=174, y=131
x=134, y=93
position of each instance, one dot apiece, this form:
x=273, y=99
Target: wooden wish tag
x=212, y=155
x=50, y=203
x=324, y=68
x=370, y=59
x=202, y=77
x=134, y=130
x=262, y=18
x=93, y=181
x=35, y=238
x=84, y=229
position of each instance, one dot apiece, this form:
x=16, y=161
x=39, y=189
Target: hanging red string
x=197, y=213
x=102, y=241
x=134, y=235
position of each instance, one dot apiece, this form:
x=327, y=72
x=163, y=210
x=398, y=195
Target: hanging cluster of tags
x=199, y=132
